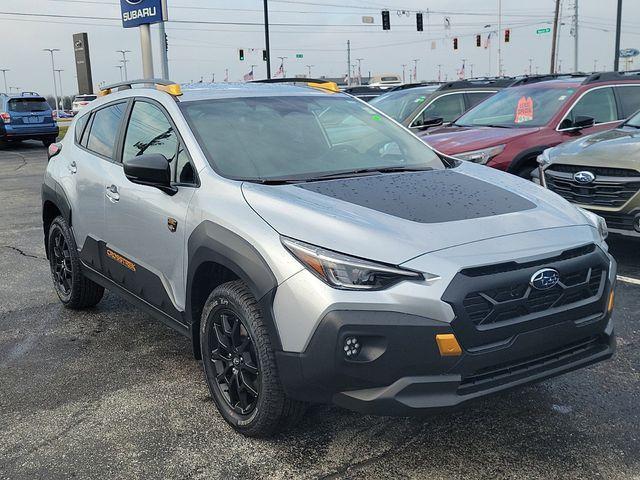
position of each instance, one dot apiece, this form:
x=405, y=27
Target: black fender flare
x=210, y=242
x=55, y=195
x=519, y=160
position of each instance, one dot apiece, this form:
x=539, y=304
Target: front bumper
x=399, y=370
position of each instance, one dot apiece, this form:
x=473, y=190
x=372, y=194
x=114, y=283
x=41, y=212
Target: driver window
x=599, y=104
x=447, y=107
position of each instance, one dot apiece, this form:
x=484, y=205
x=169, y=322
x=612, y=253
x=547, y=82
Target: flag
x=280, y=71
x=248, y=77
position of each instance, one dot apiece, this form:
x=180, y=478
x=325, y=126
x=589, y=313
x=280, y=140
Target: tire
x=74, y=290
x=526, y=170
x=240, y=366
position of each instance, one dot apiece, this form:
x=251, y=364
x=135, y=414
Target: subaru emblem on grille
x=545, y=279
x=584, y=177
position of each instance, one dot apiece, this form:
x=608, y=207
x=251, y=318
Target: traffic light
x=419, y=22
x=241, y=53
x=478, y=41
x=264, y=55
x=386, y=20
x=455, y=43
x=507, y=35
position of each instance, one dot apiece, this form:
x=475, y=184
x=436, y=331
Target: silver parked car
x=314, y=250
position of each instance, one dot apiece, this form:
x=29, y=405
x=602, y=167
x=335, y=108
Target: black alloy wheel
x=235, y=361
x=60, y=258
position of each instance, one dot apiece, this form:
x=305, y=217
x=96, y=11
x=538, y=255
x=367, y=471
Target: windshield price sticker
x=524, y=110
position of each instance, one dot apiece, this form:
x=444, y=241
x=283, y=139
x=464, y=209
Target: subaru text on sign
x=142, y=12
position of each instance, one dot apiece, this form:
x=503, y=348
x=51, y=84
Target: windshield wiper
x=367, y=171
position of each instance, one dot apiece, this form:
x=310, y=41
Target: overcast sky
x=199, y=48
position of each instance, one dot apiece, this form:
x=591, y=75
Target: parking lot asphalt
x=112, y=393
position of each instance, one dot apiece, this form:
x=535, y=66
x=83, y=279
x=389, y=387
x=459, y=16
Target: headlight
x=544, y=159
x=481, y=156
x=598, y=222
x=348, y=273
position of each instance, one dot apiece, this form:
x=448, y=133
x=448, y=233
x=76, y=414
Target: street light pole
x=120, y=67
x=59, y=70
x=124, y=61
x=415, y=69
x=359, y=60
x=266, y=37
x=4, y=74
x=616, y=59
x=404, y=72
x=309, y=67
x=284, y=73
x=53, y=70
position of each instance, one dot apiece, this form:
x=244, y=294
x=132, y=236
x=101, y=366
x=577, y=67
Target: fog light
x=351, y=347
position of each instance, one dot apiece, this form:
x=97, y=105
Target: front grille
x=511, y=301
x=506, y=372
x=613, y=187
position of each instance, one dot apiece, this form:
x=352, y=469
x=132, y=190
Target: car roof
x=209, y=91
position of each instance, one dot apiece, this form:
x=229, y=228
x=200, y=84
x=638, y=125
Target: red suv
x=510, y=129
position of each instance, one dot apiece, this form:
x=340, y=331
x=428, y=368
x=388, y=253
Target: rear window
x=28, y=105
x=85, y=98
x=104, y=129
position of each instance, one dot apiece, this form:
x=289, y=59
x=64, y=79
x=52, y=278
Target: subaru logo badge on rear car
x=545, y=279
x=584, y=177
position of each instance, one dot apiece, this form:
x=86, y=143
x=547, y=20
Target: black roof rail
x=363, y=89
x=168, y=86
x=30, y=94
x=477, y=83
x=406, y=86
x=529, y=79
x=292, y=80
x=611, y=76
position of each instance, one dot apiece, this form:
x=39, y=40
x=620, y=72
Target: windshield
x=24, y=105
x=301, y=137
x=634, y=121
x=532, y=106
x=401, y=104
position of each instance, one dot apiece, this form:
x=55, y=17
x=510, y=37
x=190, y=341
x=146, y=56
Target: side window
x=599, y=104
x=104, y=129
x=149, y=131
x=447, y=107
x=80, y=126
x=629, y=97
x=474, y=98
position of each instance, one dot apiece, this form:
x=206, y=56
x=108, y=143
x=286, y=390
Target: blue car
x=27, y=116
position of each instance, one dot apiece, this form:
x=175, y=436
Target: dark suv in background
x=421, y=106
x=27, y=116
x=512, y=128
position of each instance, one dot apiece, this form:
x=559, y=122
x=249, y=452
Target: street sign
x=541, y=31
x=143, y=12
x=629, y=52
x=299, y=55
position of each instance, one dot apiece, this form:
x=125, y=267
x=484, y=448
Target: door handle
x=112, y=194
x=72, y=167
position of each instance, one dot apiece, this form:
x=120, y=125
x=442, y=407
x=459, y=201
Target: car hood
x=397, y=216
x=613, y=148
x=452, y=140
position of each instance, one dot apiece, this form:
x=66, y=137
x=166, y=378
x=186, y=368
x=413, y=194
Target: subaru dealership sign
x=141, y=12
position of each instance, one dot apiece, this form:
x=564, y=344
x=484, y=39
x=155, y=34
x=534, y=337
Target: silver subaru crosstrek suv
x=314, y=250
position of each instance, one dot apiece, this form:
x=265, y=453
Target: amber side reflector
x=448, y=345
x=611, y=302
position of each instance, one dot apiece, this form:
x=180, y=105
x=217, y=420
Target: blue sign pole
x=141, y=14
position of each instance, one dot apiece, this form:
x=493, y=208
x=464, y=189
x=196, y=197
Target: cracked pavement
x=112, y=393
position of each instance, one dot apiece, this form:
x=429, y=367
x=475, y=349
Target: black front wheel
x=73, y=288
x=239, y=363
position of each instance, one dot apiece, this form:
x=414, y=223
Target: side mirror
x=430, y=122
x=581, y=122
x=151, y=169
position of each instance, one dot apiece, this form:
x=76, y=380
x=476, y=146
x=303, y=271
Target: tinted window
x=401, y=104
x=104, y=129
x=447, y=107
x=301, y=137
x=184, y=172
x=475, y=98
x=599, y=104
x=80, y=124
x=530, y=106
x=28, y=105
x=149, y=131
x=630, y=100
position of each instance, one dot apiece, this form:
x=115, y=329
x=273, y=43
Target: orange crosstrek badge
x=524, y=110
